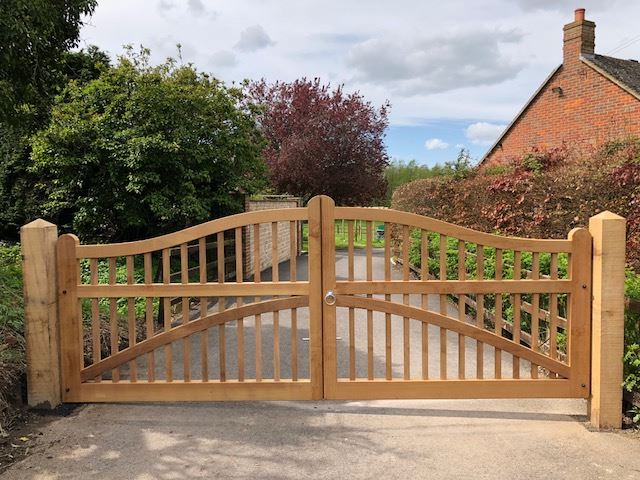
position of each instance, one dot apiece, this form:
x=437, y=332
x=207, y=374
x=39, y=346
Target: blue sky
x=455, y=72
x=435, y=142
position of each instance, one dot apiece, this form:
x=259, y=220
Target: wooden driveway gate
x=463, y=314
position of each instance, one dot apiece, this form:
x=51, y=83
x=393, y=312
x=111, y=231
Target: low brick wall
x=284, y=246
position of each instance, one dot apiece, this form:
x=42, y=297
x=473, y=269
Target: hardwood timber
x=449, y=323
x=184, y=330
x=608, y=231
x=38, y=241
x=190, y=234
x=450, y=230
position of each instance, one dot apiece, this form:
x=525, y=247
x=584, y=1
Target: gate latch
x=330, y=298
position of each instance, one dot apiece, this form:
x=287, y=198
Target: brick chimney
x=579, y=38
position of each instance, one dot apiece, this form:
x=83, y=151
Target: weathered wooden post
x=607, y=316
x=38, y=240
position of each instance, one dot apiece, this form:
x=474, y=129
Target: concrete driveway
x=514, y=439
x=434, y=439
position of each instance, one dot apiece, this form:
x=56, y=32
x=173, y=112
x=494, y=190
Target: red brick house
x=587, y=100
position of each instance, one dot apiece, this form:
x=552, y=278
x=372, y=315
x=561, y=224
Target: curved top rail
x=451, y=230
x=191, y=233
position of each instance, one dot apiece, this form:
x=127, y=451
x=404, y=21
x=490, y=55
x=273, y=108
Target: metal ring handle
x=330, y=298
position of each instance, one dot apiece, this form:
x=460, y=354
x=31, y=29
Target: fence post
x=607, y=340
x=38, y=240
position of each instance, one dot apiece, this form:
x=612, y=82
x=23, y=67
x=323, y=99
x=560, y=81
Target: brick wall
x=284, y=244
x=590, y=109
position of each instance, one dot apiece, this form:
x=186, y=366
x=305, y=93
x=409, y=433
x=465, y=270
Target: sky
x=455, y=72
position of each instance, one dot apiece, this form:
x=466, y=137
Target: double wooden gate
x=462, y=314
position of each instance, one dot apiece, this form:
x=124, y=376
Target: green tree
x=461, y=167
x=19, y=202
x=400, y=172
x=144, y=150
x=34, y=35
x=35, y=39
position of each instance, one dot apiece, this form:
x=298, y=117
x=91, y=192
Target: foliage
x=34, y=34
x=544, y=200
x=544, y=194
x=19, y=202
x=322, y=141
x=461, y=167
x=11, y=302
x=632, y=368
x=399, y=172
x=144, y=150
x=12, y=346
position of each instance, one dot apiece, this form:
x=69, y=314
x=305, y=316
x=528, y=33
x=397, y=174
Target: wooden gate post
x=38, y=240
x=607, y=314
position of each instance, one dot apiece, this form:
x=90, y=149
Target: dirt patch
x=16, y=443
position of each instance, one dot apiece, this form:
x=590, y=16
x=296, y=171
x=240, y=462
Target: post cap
x=38, y=223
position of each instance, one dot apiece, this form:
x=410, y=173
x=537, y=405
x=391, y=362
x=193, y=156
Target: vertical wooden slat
x=498, y=315
x=517, y=275
x=553, y=312
x=95, y=316
x=131, y=317
x=113, y=319
x=222, y=340
x=70, y=342
x=462, y=306
x=443, y=307
x=387, y=297
x=535, y=310
x=258, y=318
x=166, y=308
x=328, y=319
x=424, y=275
x=316, y=293
x=186, y=342
x=604, y=247
x=148, y=308
x=275, y=277
x=406, y=241
x=239, y=303
x=480, y=312
x=369, y=254
x=352, y=321
x=204, y=309
x=293, y=274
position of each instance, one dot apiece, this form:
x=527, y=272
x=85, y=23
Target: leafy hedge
x=544, y=194
x=12, y=346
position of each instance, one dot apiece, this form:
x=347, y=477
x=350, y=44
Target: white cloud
x=435, y=144
x=165, y=5
x=483, y=133
x=320, y=45
x=253, y=38
x=196, y=7
x=435, y=64
x=224, y=58
x=459, y=145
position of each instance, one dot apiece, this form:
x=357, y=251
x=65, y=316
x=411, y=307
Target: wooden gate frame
x=602, y=251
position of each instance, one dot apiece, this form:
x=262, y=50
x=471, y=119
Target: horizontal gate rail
x=189, y=234
x=229, y=289
x=454, y=286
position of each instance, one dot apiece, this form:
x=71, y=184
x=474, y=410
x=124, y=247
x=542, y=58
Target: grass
x=342, y=234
